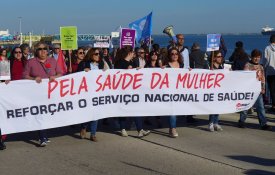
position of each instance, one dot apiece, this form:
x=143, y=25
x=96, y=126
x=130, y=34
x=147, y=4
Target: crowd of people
x=42, y=64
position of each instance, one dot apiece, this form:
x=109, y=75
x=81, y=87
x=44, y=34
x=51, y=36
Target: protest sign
x=127, y=37
x=68, y=37
x=102, y=41
x=213, y=42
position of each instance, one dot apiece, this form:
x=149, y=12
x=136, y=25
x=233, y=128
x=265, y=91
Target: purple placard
x=127, y=37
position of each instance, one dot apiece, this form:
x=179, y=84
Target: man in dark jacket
x=197, y=58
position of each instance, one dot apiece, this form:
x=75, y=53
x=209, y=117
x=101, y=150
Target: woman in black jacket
x=92, y=61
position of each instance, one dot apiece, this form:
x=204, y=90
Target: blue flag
x=143, y=28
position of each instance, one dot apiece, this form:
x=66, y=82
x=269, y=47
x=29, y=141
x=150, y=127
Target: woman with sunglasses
x=174, y=61
x=78, y=56
x=214, y=118
x=42, y=67
x=92, y=61
x=17, y=64
x=153, y=62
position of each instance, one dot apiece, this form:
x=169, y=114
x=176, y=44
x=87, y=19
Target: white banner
x=76, y=98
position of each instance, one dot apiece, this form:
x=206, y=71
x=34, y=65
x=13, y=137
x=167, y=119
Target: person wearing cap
x=198, y=58
x=56, y=50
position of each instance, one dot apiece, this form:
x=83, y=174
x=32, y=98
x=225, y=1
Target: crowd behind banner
x=41, y=62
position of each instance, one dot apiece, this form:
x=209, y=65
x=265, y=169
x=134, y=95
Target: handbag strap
x=43, y=66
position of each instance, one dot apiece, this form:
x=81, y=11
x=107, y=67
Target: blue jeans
x=138, y=122
x=214, y=118
x=43, y=135
x=93, y=126
x=259, y=105
x=172, y=121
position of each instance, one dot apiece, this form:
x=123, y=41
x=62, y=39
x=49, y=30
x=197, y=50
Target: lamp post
x=20, y=29
x=30, y=42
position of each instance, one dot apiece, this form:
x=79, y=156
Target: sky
x=104, y=16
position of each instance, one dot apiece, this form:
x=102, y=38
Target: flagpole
x=150, y=44
x=70, y=60
x=212, y=59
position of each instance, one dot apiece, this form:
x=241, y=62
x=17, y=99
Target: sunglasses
x=42, y=48
x=81, y=53
x=141, y=52
x=17, y=52
x=96, y=54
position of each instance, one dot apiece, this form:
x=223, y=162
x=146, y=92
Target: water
x=253, y=41
x=250, y=42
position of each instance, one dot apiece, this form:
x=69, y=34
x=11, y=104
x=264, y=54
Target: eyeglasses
x=56, y=48
x=154, y=53
x=81, y=53
x=174, y=53
x=17, y=52
x=141, y=52
x=96, y=54
x=42, y=48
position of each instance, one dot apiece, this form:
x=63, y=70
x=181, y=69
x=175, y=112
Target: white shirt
x=94, y=66
x=55, y=56
x=185, y=56
x=142, y=62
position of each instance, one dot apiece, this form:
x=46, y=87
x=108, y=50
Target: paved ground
x=196, y=151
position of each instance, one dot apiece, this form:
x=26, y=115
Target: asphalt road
x=196, y=151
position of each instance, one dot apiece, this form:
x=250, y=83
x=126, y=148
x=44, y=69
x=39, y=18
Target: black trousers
x=271, y=86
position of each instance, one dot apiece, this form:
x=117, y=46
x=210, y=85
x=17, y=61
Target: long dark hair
x=214, y=55
x=122, y=53
x=74, y=53
x=90, y=54
x=170, y=55
x=12, y=58
x=149, y=62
